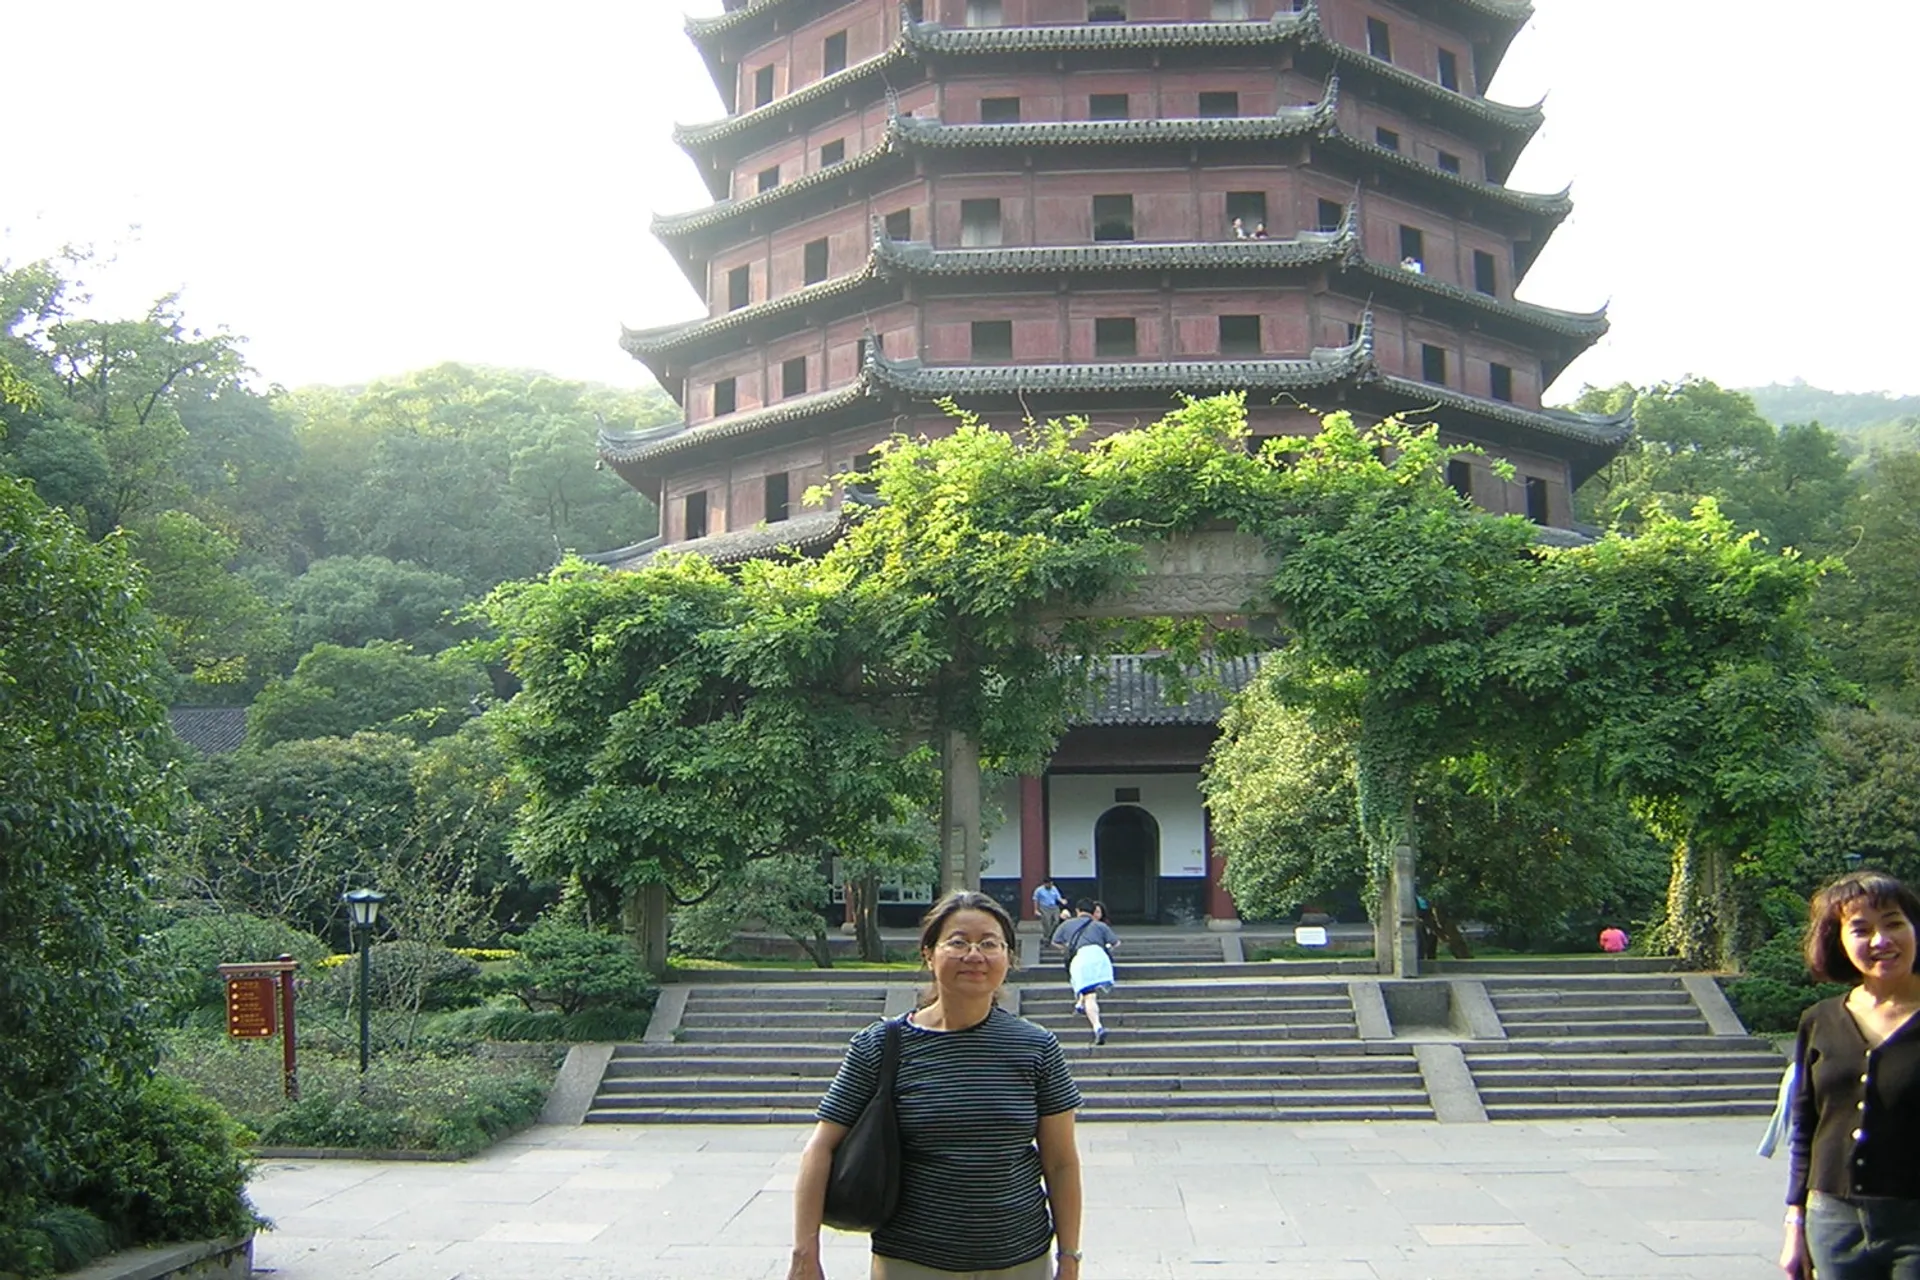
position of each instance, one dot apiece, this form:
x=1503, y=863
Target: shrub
x=170, y=1168
x=186, y=957
x=1776, y=987
x=404, y=975
x=566, y=967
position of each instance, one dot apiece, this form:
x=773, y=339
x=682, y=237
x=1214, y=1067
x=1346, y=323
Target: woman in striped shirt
x=991, y=1174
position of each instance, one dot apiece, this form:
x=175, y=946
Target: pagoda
x=1088, y=208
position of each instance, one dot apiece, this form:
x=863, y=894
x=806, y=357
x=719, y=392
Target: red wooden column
x=1221, y=913
x=1033, y=842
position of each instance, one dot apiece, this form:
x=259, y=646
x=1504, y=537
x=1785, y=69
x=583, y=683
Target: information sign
x=250, y=1007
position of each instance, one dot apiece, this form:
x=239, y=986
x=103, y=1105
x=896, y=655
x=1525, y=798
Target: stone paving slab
x=1180, y=1200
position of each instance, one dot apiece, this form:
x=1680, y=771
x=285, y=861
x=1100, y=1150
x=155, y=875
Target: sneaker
x=1099, y=1036
x=1078, y=1007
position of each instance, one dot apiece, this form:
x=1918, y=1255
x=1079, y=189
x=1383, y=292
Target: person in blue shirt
x=1047, y=901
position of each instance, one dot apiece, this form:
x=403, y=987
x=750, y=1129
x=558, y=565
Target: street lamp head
x=363, y=905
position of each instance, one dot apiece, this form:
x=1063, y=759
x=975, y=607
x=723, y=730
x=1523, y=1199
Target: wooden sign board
x=250, y=1007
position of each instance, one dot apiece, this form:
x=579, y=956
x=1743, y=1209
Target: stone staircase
x=1615, y=1046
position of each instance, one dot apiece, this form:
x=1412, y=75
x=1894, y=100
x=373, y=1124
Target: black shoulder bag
x=864, y=1188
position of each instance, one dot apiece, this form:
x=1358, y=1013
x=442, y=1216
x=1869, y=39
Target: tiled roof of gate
x=663, y=338
x=802, y=533
x=640, y=446
x=1589, y=325
x=671, y=225
x=1127, y=692
x=1607, y=430
x=699, y=135
x=210, y=730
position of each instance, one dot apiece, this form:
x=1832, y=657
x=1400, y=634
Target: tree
x=1868, y=805
x=379, y=687
x=1869, y=617
x=350, y=600
x=218, y=628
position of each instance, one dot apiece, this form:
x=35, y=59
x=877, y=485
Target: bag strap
x=889, y=1058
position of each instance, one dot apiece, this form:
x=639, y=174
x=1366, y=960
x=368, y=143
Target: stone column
x=960, y=847
x=1406, y=931
x=1033, y=842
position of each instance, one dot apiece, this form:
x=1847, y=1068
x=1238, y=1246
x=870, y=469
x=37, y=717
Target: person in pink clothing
x=1613, y=939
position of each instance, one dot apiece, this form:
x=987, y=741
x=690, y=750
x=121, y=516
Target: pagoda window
x=985, y=13
x=1108, y=106
x=1353, y=332
x=1115, y=338
x=726, y=397
x=1433, y=364
x=1219, y=105
x=1110, y=11
x=769, y=178
x=814, y=261
x=1113, y=217
x=832, y=153
x=1536, y=499
x=999, y=111
x=1330, y=215
x=694, y=509
x=1379, y=40
x=763, y=86
x=1447, y=161
x=1460, y=477
x=1231, y=10
x=833, y=54
x=739, y=287
x=992, y=340
x=1485, y=279
x=1240, y=336
x=1449, y=70
x=979, y=224
x=1387, y=138
x=775, y=506
x=1500, y=382
x=793, y=377
x=899, y=225
x=1413, y=249
x=1249, y=209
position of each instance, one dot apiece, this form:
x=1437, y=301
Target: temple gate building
x=1088, y=207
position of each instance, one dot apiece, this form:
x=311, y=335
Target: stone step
x=1500, y=984
x=1514, y=1094
x=751, y=1006
x=1672, y=1109
x=728, y=1090
x=849, y=1021
x=1761, y=1075
x=1628, y=1004
x=1409, y=1109
x=806, y=1036
x=1215, y=1003
x=1631, y=1015
x=1119, y=1015
x=1655, y=1032
x=1230, y=994
x=1615, y=1046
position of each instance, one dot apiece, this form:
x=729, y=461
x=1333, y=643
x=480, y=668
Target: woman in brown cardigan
x=1853, y=1198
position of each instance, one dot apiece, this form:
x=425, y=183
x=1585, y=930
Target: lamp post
x=363, y=908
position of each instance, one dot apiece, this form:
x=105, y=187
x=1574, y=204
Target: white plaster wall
x=1075, y=802
x=1002, y=854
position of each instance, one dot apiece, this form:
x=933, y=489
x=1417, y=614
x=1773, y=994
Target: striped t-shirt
x=969, y=1104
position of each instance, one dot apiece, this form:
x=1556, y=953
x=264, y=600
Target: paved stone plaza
x=1168, y=1201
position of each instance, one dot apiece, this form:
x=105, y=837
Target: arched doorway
x=1126, y=851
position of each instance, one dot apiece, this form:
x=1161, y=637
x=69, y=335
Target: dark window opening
x=832, y=153
x=769, y=178
x=1449, y=70
x=1331, y=215
x=999, y=111
x=1433, y=363
x=1536, y=499
x=1500, y=382
x=1249, y=210
x=984, y=13
x=1484, y=278
x=1413, y=247
x=1109, y=12
x=1448, y=161
x=726, y=397
x=833, y=55
x=763, y=86
x=899, y=225
x=793, y=377
x=814, y=262
x=1126, y=795
x=1219, y=105
x=1107, y=106
x=877, y=345
x=864, y=463
x=695, y=507
x=1460, y=476
x=1379, y=40
x=776, y=504
x=1113, y=217
x=1115, y=337
x=739, y=287
x=1240, y=335
x=993, y=339
x=979, y=223
x=1353, y=332
x=1387, y=138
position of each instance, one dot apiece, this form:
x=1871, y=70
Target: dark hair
x=934, y=923
x=1083, y=906
x=1826, y=952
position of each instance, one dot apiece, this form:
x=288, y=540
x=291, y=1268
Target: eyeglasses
x=990, y=948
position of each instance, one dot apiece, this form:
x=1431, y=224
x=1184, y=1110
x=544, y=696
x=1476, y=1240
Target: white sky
x=364, y=188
